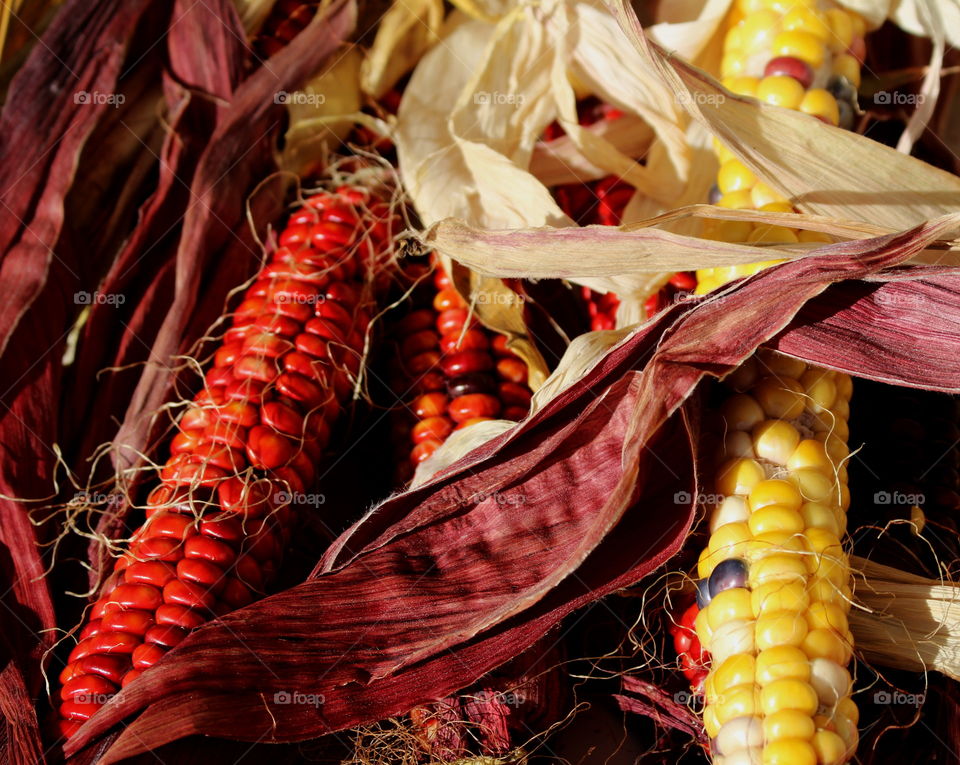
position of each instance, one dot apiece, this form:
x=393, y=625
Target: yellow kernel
x=773, y=543
x=859, y=25
x=789, y=751
x=776, y=207
x=737, y=670
x=814, y=485
x=705, y=563
x=726, y=231
x=776, y=441
x=758, y=30
x=710, y=722
x=821, y=541
x=741, y=412
x=739, y=476
x=764, y=233
x=814, y=236
x=829, y=747
x=821, y=389
x=819, y=516
x=780, y=398
x=742, y=85
x=847, y=730
x=732, y=509
x=733, y=64
x=806, y=20
x=730, y=605
x=779, y=596
x=826, y=644
x=780, y=628
x=736, y=200
x=788, y=723
x=810, y=453
x=848, y=708
x=735, y=176
x=825, y=591
x=832, y=568
x=780, y=663
x=841, y=30
x=780, y=90
x=845, y=65
x=742, y=378
x=841, y=409
x=734, y=38
x=827, y=616
x=737, y=443
x=723, y=153
x=780, y=567
x=789, y=694
x=775, y=491
x=780, y=365
x=727, y=541
x=739, y=701
x=731, y=639
x=802, y=45
x=701, y=625
x=776, y=518
x=820, y=103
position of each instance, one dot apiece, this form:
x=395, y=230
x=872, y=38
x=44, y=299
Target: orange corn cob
x=219, y=519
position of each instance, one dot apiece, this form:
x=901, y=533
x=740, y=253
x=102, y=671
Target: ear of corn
x=774, y=578
x=455, y=371
x=223, y=512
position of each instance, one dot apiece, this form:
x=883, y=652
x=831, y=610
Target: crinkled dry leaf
x=404, y=34
x=458, y=445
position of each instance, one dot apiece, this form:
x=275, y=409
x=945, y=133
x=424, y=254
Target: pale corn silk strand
x=774, y=579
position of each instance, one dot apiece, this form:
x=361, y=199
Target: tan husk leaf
x=405, y=33
x=798, y=154
x=907, y=621
x=322, y=113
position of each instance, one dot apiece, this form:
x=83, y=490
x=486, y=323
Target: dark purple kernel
x=726, y=575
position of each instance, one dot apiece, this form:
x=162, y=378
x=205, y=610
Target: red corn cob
x=219, y=520
x=458, y=371
x=286, y=20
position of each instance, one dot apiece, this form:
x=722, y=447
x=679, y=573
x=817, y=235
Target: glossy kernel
x=786, y=724
x=775, y=491
x=780, y=628
x=776, y=518
x=799, y=44
x=739, y=476
x=780, y=90
x=789, y=751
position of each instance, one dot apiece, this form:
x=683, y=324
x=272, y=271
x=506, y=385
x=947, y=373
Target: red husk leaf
x=660, y=707
x=443, y=570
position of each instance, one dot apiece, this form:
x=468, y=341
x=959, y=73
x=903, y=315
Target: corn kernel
x=825, y=591
x=735, y=176
x=701, y=624
x=780, y=90
x=758, y=29
x=801, y=45
x=739, y=476
x=732, y=638
x=706, y=563
x=841, y=408
x=780, y=567
x=723, y=153
x=764, y=233
x=848, y=709
x=775, y=491
x=826, y=644
x=806, y=20
x=774, y=543
x=733, y=509
x=827, y=616
x=789, y=751
x=710, y=722
x=789, y=694
x=780, y=628
x=828, y=544
x=739, y=701
x=832, y=568
x=737, y=443
x=814, y=236
x=780, y=398
x=819, y=516
x=780, y=663
x=776, y=207
x=742, y=85
x=726, y=231
x=831, y=681
x=729, y=605
x=788, y=723
x=734, y=64
x=845, y=65
x=740, y=735
x=830, y=748
x=736, y=670
x=779, y=596
x=775, y=441
x=776, y=518
x=814, y=485
x=811, y=454
x=734, y=38
x=820, y=103
x=841, y=30
x=743, y=378
x=741, y=412
x=821, y=389
x=780, y=365
x=859, y=25
x=736, y=200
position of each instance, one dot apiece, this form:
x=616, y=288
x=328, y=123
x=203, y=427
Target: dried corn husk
x=405, y=33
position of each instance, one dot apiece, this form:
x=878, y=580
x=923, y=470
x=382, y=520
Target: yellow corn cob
x=799, y=55
x=774, y=571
